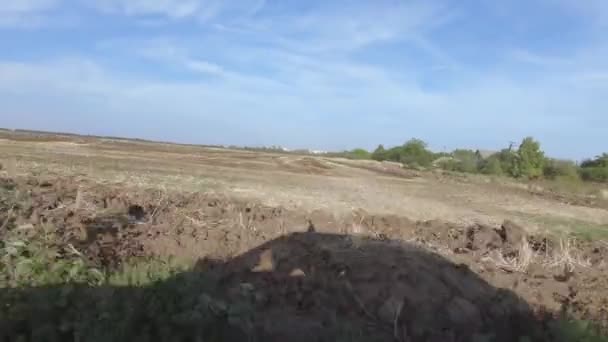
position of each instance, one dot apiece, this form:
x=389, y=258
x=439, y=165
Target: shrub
x=530, y=159
x=573, y=330
x=415, y=152
x=595, y=170
x=595, y=174
x=599, y=161
x=379, y=153
x=508, y=162
x=359, y=153
x=562, y=169
x=467, y=160
x=492, y=166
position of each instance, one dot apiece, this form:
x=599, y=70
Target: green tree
x=530, y=159
x=379, y=153
x=466, y=160
x=595, y=170
x=508, y=162
x=414, y=152
x=359, y=153
x=599, y=161
x=492, y=166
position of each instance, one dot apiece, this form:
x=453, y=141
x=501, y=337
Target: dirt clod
x=401, y=277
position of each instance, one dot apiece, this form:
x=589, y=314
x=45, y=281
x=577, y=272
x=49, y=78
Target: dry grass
x=565, y=257
x=78, y=201
x=519, y=263
x=264, y=177
x=11, y=167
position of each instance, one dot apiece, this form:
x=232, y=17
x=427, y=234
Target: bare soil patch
x=391, y=276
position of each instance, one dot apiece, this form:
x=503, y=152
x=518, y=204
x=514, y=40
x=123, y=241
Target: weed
x=50, y=293
x=574, y=330
x=566, y=256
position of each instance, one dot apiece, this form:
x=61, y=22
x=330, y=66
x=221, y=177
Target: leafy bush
x=595, y=174
x=508, y=162
x=561, y=169
x=599, y=161
x=530, y=159
x=51, y=294
x=359, y=153
x=574, y=330
x=491, y=166
x=413, y=153
x=467, y=160
x=40, y=262
x=379, y=153
x=595, y=170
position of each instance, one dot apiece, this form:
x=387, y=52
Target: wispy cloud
x=25, y=6
x=317, y=74
x=169, y=8
x=166, y=53
x=25, y=13
x=202, y=10
x=525, y=56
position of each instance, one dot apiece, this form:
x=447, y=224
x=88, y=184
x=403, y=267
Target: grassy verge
x=568, y=227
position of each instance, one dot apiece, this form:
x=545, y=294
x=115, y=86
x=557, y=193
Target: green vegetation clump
x=462, y=161
x=359, y=153
x=566, y=170
x=528, y=161
x=413, y=153
x=491, y=166
x=575, y=330
x=595, y=170
x=50, y=293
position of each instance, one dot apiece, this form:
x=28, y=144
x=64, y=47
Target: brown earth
x=403, y=279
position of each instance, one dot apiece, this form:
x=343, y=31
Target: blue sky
x=318, y=74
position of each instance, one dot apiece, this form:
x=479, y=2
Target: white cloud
x=203, y=10
x=25, y=13
x=22, y=6
x=318, y=95
x=203, y=66
x=163, y=52
x=332, y=27
x=169, y=8
x=525, y=56
x=314, y=69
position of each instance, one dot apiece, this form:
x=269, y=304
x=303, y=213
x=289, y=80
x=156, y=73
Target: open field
x=313, y=243
x=308, y=183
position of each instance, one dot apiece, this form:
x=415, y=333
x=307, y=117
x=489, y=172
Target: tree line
x=526, y=161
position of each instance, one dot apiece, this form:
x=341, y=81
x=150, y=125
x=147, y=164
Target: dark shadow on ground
x=300, y=287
